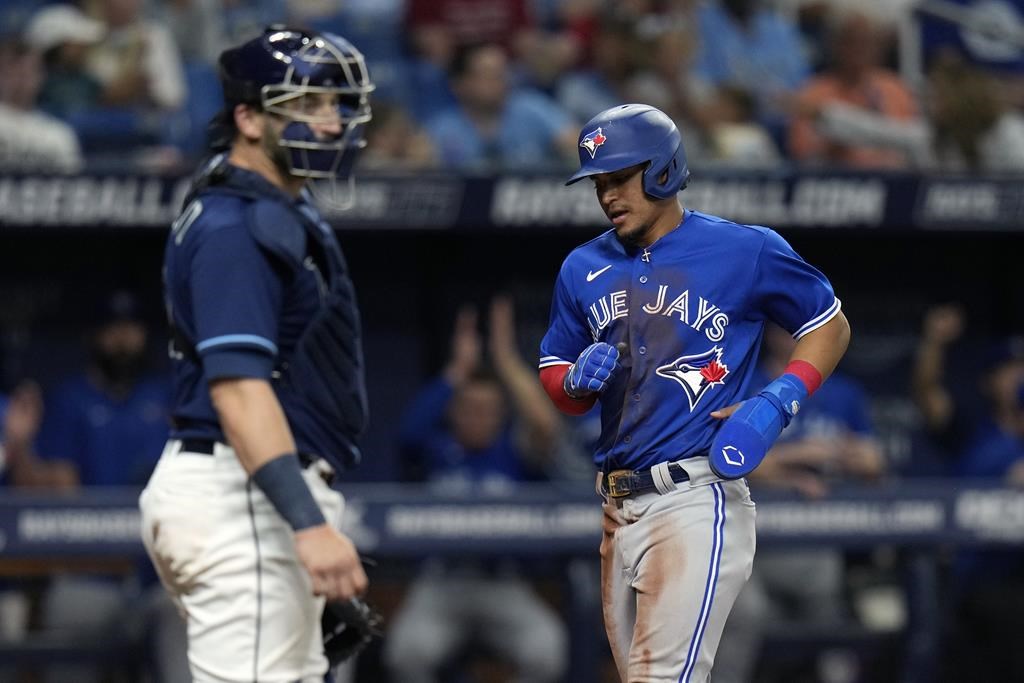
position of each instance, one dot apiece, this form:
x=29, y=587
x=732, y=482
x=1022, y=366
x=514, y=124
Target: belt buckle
x=618, y=483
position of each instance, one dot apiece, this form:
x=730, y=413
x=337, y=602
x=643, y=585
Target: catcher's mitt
x=348, y=627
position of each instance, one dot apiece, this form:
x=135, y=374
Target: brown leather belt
x=622, y=483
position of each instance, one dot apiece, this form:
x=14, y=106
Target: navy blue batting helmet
x=277, y=70
x=632, y=134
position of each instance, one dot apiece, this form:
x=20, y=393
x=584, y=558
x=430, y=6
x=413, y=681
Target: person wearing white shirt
x=138, y=63
x=29, y=139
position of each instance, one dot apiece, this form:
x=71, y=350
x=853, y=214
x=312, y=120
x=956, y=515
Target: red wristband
x=552, y=378
x=807, y=373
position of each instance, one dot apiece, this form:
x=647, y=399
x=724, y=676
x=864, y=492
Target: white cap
x=59, y=24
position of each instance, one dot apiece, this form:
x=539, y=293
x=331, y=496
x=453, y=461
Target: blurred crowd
x=486, y=86
x=482, y=426
x=503, y=85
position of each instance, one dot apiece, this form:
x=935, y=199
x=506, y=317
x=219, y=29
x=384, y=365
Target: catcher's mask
x=318, y=83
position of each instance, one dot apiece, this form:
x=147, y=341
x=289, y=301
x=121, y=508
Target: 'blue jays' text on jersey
x=691, y=310
x=249, y=273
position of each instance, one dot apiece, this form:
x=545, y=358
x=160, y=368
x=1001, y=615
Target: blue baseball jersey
x=239, y=310
x=691, y=310
x=991, y=453
x=113, y=441
x=426, y=437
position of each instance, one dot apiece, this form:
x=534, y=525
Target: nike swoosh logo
x=591, y=276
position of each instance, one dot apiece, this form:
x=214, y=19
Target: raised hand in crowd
x=540, y=421
x=20, y=427
x=942, y=326
x=467, y=348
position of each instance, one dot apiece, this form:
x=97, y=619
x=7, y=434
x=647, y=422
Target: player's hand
x=502, y=340
x=466, y=347
x=861, y=457
x=332, y=562
x=943, y=324
x=723, y=413
x=592, y=370
x=24, y=413
x=808, y=484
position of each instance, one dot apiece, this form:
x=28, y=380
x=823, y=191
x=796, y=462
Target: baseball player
x=660, y=320
x=269, y=391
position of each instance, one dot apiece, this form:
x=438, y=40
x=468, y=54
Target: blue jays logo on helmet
x=591, y=141
x=696, y=373
x=630, y=135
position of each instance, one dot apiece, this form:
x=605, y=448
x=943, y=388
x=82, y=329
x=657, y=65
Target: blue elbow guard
x=748, y=434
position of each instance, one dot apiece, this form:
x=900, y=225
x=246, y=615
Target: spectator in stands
x=310, y=13
x=438, y=28
x=948, y=421
x=665, y=50
x=735, y=137
x=63, y=36
x=493, y=128
x=584, y=92
x=395, y=142
x=667, y=80
x=458, y=432
x=855, y=81
x=246, y=19
x=197, y=27
x=111, y=423
x=578, y=20
x=744, y=43
x=970, y=124
x=828, y=442
x=812, y=16
x=21, y=414
x=973, y=414
x=997, y=447
x=964, y=390
x=29, y=139
x=988, y=584
x=545, y=56
x=890, y=11
x=974, y=128
x=138, y=63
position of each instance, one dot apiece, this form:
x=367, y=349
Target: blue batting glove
x=591, y=371
x=749, y=433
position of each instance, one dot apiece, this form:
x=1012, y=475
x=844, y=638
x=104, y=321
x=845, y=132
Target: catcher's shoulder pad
x=276, y=228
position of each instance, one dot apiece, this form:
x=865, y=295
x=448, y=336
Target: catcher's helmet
x=632, y=134
x=276, y=70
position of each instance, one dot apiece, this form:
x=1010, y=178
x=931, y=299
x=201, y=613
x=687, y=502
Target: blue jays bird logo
x=697, y=373
x=591, y=141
